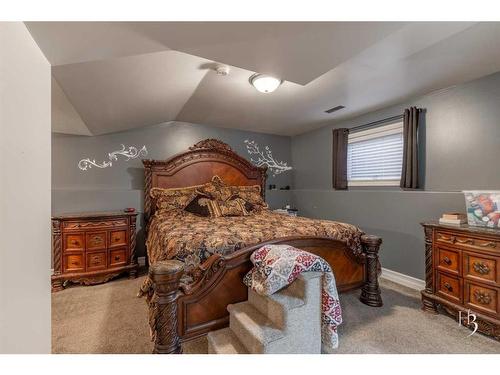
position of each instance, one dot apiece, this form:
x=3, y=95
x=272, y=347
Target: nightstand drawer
x=117, y=257
x=449, y=260
x=117, y=238
x=73, y=262
x=449, y=287
x=95, y=240
x=481, y=298
x=467, y=242
x=481, y=267
x=96, y=261
x=74, y=242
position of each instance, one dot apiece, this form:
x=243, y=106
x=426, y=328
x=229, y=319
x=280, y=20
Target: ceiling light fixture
x=265, y=83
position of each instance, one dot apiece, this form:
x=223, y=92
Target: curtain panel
x=409, y=173
x=339, y=171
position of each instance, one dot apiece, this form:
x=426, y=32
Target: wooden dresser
x=462, y=272
x=92, y=248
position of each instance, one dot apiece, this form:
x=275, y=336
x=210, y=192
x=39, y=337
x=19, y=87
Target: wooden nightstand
x=462, y=273
x=92, y=248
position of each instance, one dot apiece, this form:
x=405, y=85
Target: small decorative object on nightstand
x=462, y=274
x=287, y=210
x=92, y=248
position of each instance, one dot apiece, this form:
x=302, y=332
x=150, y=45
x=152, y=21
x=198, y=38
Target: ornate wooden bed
x=185, y=312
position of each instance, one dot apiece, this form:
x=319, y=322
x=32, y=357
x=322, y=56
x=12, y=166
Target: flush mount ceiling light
x=265, y=83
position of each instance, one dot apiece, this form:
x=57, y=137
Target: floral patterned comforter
x=177, y=234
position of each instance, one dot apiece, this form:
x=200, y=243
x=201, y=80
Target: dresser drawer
x=73, y=262
x=481, y=267
x=449, y=260
x=96, y=261
x=467, y=242
x=74, y=242
x=117, y=257
x=481, y=298
x=95, y=240
x=449, y=287
x=117, y=238
x=78, y=225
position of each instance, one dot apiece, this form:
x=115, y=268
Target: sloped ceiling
x=126, y=75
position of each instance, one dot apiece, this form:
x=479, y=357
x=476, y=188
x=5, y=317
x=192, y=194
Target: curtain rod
x=375, y=123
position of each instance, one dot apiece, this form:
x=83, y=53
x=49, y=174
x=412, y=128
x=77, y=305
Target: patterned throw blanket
x=276, y=266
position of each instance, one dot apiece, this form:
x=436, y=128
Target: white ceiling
x=117, y=76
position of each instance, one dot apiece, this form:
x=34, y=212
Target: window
x=375, y=156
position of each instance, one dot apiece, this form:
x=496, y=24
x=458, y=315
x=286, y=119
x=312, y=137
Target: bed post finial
x=370, y=293
x=166, y=276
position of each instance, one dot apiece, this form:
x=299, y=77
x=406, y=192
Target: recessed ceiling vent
x=334, y=109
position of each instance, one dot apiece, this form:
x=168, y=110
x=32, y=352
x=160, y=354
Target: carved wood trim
x=213, y=144
x=370, y=293
x=133, y=239
x=57, y=246
x=429, y=232
x=165, y=276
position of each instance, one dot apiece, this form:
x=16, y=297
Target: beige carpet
x=109, y=318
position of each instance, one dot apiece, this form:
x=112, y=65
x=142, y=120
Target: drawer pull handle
x=448, y=286
x=97, y=240
x=75, y=263
x=482, y=297
x=481, y=268
x=468, y=241
x=117, y=239
x=117, y=257
x=489, y=244
x=75, y=242
x=447, y=261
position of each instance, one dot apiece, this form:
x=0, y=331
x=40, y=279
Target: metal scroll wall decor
x=129, y=153
x=265, y=158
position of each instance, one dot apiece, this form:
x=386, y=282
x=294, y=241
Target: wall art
x=131, y=152
x=265, y=158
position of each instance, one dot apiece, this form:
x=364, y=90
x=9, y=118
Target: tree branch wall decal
x=265, y=158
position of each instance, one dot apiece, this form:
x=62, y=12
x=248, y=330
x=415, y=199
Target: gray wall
x=461, y=150
x=121, y=185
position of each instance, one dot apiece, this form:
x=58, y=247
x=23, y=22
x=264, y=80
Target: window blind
x=375, y=154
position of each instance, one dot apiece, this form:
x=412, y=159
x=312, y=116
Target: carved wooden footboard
x=179, y=313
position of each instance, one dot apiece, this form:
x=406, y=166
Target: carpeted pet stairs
x=288, y=321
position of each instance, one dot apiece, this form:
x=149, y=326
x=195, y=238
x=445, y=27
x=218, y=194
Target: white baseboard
x=402, y=279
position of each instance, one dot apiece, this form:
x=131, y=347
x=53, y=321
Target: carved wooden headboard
x=197, y=166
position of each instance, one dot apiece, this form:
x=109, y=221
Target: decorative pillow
x=196, y=208
x=169, y=199
x=276, y=266
x=252, y=197
x=233, y=207
x=230, y=207
x=216, y=189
